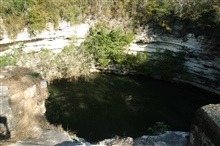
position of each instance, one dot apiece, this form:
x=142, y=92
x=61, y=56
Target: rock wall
x=51, y=38
x=203, y=57
x=205, y=128
x=22, y=95
x=22, y=103
x=22, y=111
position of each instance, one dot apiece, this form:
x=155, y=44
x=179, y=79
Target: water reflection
x=107, y=105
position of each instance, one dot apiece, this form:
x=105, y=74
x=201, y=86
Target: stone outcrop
x=22, y=110
x=169, y=138
x=51, y=138
x=22, y=95
x=52, y=38
x=205, y=128
x=22, y=103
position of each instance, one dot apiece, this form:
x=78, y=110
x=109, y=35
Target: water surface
x=105, y=105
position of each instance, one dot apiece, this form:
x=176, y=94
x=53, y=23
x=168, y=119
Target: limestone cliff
x=202, y=55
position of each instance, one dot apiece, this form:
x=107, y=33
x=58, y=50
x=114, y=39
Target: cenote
x=106, y=105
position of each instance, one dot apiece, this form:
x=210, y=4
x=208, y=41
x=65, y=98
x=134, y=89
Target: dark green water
x=107, y=105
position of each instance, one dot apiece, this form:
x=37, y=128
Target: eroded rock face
x=22, y=103
x=52, y=38
x=205, y=128
x=202, y=55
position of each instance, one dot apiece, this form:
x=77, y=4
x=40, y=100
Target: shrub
x=164, y=13
x=107, y=46
x=70, y=63
x=8, y=60
x=166, y=64
x=158, y=128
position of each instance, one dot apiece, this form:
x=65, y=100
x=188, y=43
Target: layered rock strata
x=202, y=55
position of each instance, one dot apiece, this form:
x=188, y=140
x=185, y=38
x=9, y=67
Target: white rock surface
x=51, y=38
x=201, y=62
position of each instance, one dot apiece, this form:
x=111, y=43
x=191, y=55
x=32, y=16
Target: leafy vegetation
x=164, y=64
x=158, y=128
x=107, y=46
x=35, y=14
x=35, y=74
x=7, y=60
x=71, y=62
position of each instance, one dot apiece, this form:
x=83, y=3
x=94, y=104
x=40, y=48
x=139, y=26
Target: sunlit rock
x=21, y=104
x=169, y=138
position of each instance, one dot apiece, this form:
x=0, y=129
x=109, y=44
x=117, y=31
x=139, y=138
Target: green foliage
x=107, y=46
x=132, y=61
x=164, y=13
x=154, y=12
x=35, y=74
x=35, y=14
x=158, y=128
x=70, y=63
x=8, y=60
x=166, y=64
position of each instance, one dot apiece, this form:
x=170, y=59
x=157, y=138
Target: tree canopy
x=34, y=14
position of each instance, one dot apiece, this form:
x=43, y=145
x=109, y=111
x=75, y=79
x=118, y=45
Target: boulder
x=22, y=111
x=22, y=103
x=205, y=128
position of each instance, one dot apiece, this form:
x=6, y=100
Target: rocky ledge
x=205, y=128
x=22, y=98
x=22, y=116
x=23, y=123
x=50, y=138
x=202, y=55
x=22, y=109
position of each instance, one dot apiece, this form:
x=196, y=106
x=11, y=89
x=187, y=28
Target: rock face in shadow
x=22, y=103
x=205, y=128
x=201, y=54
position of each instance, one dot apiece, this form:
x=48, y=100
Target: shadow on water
x=107, y=105
x=4, y=131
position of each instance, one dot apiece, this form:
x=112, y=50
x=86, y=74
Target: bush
x=166, y=64
x=164, y=13
x=8, y=60
x=158, y=128
x=72, y=62
x=107, y=46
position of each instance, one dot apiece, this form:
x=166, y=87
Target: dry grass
x=70, y=63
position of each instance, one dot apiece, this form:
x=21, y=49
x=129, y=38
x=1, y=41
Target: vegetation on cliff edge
x=35, y=14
